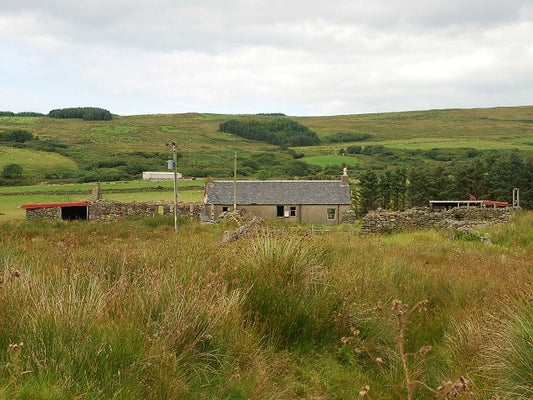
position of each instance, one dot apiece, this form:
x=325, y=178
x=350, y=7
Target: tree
x=369, y=193
x=12, y=171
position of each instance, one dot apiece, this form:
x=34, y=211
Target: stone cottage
x=317, y=201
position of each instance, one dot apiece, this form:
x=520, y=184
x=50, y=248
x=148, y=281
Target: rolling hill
x=121, y=148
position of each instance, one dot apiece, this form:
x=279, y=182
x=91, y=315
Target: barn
x=64, y=210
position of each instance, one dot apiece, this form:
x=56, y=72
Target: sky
x=298, y=57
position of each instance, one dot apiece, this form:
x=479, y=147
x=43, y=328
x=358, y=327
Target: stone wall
x=113, y=210
x=43, y=213
x=383, y=221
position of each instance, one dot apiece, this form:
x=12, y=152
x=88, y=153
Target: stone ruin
x=462, y=218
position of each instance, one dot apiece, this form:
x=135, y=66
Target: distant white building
x=160, y=176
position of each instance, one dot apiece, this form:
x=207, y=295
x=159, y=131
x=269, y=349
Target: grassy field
x=131, y=310
x=35, y=163
x=326, y=161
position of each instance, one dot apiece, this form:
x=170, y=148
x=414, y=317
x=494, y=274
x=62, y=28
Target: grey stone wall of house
x=113, y=210
x=44, y=213
x=383, y=221
x=315, y=214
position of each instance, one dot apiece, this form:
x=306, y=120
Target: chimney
x=345, y=180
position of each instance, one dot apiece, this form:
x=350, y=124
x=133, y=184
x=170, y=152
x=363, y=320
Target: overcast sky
x=299, y=57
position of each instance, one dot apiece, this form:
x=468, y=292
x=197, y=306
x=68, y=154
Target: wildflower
x=423, y=350
x=364, y=391
x=345, y=340
x=378, y=361
x=398, y=307
x=15, y=273
x=453, y=389
x=355, y=331
x=14, y=347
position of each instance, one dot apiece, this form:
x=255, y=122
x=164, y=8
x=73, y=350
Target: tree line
x=490, y=177
x=280, y=131
x=85, y=113
x=20, y=114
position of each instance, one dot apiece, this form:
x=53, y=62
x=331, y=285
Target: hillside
x=73, y=150
x=201, y=144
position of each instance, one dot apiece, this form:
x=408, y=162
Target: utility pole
x=175, y=167
x=235, y=181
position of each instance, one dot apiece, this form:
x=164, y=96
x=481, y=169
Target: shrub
x=373, y=149
x=340, y=137
x=17, y=136
x=12, y=171
x=354, y=149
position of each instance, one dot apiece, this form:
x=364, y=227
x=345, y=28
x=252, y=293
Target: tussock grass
x=131, y=310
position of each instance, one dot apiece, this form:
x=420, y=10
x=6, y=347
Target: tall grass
x=131, y=310
x=509, y=354
x=287, y=294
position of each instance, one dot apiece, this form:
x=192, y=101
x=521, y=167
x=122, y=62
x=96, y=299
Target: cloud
x=301, y=57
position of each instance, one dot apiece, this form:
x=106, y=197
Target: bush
x=341, y=137
x=12, y=171
x=373, y=150
x=17, y=135
x=354, y=149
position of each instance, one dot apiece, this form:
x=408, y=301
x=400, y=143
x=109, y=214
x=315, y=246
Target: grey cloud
x=302, y=57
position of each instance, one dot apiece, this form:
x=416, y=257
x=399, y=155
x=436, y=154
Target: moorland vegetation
x=131, y=310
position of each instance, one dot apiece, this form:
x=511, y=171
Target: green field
x=327, y=161
x=35, y=163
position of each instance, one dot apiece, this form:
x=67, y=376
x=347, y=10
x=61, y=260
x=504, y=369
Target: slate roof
x=278, y=192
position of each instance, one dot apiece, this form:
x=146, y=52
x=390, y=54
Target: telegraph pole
x=175, y=167
x=235, y=181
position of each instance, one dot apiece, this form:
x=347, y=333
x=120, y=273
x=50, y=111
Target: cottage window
x=225, y=209
x=331, y=213
x=292, y=212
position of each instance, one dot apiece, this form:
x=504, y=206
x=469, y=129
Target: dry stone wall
x=114, y=210
x=384, y=221
x=104, y=210
x=43, y=213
